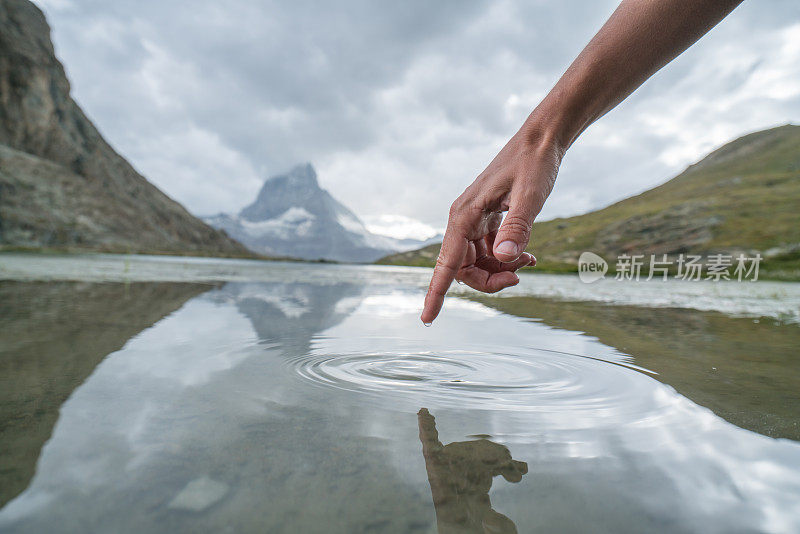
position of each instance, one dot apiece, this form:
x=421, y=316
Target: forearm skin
x=639, y=38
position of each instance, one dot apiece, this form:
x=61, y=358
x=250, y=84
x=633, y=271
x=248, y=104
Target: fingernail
x=427, y=324
x=509, y=248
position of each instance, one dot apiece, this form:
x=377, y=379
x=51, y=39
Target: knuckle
x=467, y=204
x=436, y=291
x=516, y=225
x=442, y=264
x=458, y=207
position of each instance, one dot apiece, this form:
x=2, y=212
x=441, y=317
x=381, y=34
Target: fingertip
x=500, y=281
x=429, y=314
x=528, y=258
x=426, y=317
x=510, y=282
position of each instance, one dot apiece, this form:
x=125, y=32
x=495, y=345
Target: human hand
x=638, y=39
x=477, y=249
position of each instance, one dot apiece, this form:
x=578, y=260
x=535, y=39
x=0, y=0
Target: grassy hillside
x=742, y=198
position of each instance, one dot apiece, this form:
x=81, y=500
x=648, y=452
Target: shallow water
x=776, y=300
x=309, y=398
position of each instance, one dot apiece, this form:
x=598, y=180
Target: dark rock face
x=298, y=187
x=293, y=216
x=50, y=150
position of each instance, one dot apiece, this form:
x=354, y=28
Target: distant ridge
x=743, y=197
x=61, y=185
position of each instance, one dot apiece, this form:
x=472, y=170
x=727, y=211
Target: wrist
x=560, y=118
x=545, y=130
x=545, y=133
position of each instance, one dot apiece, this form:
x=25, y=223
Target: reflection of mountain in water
x=238, y=448
x=460, y=475
x=52, y=336
x=292, y=313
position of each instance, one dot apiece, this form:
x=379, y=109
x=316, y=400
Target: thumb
x=513, y=235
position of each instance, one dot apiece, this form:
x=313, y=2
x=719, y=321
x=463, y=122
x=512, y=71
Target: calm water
x=164, y=395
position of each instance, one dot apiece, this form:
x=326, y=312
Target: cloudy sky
x=399, y=105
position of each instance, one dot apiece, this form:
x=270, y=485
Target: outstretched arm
x=639, y=38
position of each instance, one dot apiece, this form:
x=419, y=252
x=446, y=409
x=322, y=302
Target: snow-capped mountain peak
x=293, y=216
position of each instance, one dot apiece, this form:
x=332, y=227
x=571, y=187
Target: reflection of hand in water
x=460, y=475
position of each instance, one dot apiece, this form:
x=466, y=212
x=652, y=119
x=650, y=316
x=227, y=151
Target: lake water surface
x=143, y=394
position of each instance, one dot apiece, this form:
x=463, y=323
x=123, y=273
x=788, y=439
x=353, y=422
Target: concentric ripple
x=532, y=379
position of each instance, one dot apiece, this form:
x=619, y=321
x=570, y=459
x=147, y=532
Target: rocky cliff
x=61, y=184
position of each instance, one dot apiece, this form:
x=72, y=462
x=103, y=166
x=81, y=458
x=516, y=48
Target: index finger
x=451, y=257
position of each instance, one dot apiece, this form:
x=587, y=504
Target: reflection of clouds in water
x=290, y=308
x=392, y=304
x=292, y=301
x=347, y=305
x=465, y=327
x=591, y=431
x=398, y=303
x=709, y=466
x=170, y=351
x=124, y=413
x=501, y=363
x=292, y=312
x=124, y=434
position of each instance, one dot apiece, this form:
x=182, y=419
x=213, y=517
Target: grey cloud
x=400, y=104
